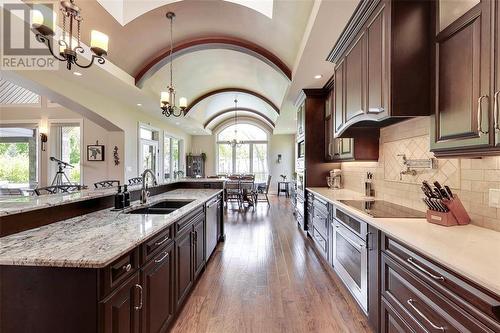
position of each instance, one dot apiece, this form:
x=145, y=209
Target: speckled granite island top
x=19, y=204
x=96, y=239
x=468, y=250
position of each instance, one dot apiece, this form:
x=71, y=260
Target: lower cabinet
x=199, y=247
x=183, y=266
x=157, y=280
x=121, y=310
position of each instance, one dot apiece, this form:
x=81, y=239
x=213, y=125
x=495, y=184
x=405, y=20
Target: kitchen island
x=109, y=271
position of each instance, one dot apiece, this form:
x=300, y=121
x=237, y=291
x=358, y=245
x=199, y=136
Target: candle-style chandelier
x=69, y=45
x=167, y=98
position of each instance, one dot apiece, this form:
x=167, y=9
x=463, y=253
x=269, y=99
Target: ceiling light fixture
x=139, y=104
x=167, y=98
x=69, y=45
x=77, y=73
x=319, y=76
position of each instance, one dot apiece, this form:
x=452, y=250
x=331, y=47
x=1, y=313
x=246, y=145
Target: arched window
x=248, y=156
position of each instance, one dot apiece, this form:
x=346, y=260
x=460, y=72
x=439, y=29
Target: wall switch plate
x=494, y=198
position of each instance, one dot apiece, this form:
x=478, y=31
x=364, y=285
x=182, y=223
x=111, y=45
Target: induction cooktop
x=383, y=209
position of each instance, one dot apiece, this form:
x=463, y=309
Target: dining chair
x=247, y=191
x=262, y=194
x=107, y=184
x=232, y=190
x=58, y=189
x=135, y=181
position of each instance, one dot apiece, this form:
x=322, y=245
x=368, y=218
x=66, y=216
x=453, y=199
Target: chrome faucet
x=144, y=191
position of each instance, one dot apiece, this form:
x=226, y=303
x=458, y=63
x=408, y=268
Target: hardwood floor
x=267, y=278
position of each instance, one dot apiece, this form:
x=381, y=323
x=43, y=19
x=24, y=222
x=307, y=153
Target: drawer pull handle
x=162, y=258
x=127, y=267
x=162, y=241
x=411, y=302
x=138, y=307
x=423, y=270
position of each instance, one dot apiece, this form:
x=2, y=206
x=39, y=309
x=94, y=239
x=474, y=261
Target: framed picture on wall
x=95, y=153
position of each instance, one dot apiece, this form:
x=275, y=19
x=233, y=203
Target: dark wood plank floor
x=267, y=278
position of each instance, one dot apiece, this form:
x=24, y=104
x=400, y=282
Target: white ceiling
x=125, y=11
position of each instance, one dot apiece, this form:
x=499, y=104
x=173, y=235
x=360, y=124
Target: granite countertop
x=96, y=239
x=469, y=250
x=19, y=204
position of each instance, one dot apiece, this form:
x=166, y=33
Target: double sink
x=162, y=207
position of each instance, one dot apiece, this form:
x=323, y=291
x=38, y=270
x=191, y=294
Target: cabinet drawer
x=480, y=303
x=320, y=242
x=391, y=321
x=320, y=207
x=321, y=224
x=185, y=222
x=118, y=271
x=153, y=245
x=422, y=308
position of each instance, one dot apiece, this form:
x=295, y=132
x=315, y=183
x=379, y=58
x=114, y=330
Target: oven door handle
x=348, y=239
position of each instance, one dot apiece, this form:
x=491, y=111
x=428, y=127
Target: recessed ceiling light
x=139, y=104
x=319, y=76
x=177, y=123
x=77, y=73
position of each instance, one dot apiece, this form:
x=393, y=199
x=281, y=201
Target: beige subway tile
x=465, y=163
x=466, y=185
x=472, y=174
x=492, y=175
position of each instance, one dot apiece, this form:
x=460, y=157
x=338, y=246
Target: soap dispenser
x=119, y=198
x=126, y=196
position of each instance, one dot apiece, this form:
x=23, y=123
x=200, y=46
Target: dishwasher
x=211, y=227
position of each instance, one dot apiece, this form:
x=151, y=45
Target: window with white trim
x=249, y=155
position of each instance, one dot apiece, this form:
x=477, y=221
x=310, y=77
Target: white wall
x=91, y=132
x=283, y=144
x=97, y=107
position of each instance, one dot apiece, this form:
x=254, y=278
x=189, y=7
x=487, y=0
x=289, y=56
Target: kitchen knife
x=438, y=186
x=426, y=200
x=438, y=194
x=444, y=193
x=426, y=192
x=448, y=190
x=426, y=185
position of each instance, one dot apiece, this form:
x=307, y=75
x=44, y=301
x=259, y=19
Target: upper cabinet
x=383, y=73
x=467, y=80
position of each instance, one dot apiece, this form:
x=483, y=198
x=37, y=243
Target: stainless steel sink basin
x=163, y=207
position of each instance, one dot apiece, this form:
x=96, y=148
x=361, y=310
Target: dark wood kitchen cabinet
x=465, y=121
x=157, y=279
x=184, y=265
x=383, y=72
x=121, y=310
x=422, y=295
x=141, y=291
x=199, y=247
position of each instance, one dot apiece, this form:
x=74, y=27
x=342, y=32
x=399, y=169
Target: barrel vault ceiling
x=256, y=48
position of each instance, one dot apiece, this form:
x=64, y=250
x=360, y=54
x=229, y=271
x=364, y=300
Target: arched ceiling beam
x=225, y=90
x=223, y=112
x=206, y=43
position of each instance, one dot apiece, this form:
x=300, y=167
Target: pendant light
x=167, y=98
x=69, y=45
x=235, y=142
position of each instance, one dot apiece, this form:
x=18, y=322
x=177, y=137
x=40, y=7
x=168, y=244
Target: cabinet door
x=199, y=247
x=496, y=88
x=354, y=80
x=463, y=101
x=376, y=72
x=183, y=266
x=120, y=311
x=390, y=321
x=344, y=149
x=158, y=283
x=339, y=96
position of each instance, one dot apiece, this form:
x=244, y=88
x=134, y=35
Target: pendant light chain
x=171, y=50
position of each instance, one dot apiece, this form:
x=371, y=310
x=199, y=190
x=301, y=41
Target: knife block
x=445, y=219
x=456, y=216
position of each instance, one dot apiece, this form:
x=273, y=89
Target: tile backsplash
x=471, y=179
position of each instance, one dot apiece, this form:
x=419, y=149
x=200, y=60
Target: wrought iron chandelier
x=167, y=98
x=69, y=44
x=235, y=142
